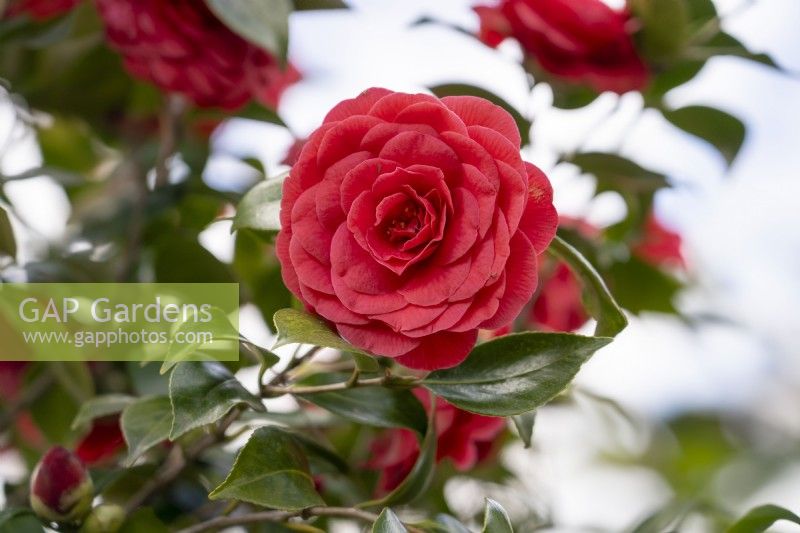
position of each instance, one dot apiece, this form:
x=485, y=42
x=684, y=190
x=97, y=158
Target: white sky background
x=741, y=226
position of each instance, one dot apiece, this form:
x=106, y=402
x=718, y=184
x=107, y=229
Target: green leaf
x=761, y=518
x=373, y=406
x=145, y=423
x=143, y=521
x=457, y=89
x=514, y=374
x=202, y=393
x=722, y=130
x=264, y=23
x=180, y=258
x=524, y=423
x=295, y=326
x=100, y=406
x=664, y=26
x=388, y=522
x=260, y=208
x=8, y=244
x=255, y=265
x=615, y=173
x=495, y=518
x=19, y=521
x=602, y=306
x=304, y=5
x=421, y=475
x=270, y=471
x=219, y=327
x=639, y=286
x=450, y=524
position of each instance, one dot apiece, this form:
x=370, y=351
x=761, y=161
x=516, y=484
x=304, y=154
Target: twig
x=279, y=516
x=386, y=381
x=170, y=131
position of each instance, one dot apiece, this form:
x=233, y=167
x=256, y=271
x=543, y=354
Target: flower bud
x=105, y=518
x=61, y=489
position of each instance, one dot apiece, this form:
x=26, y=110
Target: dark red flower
x=61, y=489
x=462, y=437
x=40, y=10
x=659, y=245
x=578, y=41
x=409, y=222
x=181, y=47
x=103, y=441
x=11, y=377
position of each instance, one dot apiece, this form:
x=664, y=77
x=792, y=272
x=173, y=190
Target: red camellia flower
x=61, y=489
x=103, y=441
x=409, y=222
x=182, y=47
x=659, y=245
x=40, y=10
x=579, y=41
x=464, y=438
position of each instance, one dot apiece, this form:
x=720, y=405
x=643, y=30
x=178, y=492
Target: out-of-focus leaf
x=720, y=129
x=272, y=471
x=223, y=333
x=515, y=373
x=700, y=11
x=616, y=173
x=388, y=522
x=761, y=518
x=449, y=524
x=143, y=521
x=725, y=44
x=374, y=406
x=100, y=406
x=54, y=410
x=265, y=23
x=19, y=521
x=303, y=5
x=601, y=304
x=571, y=96
x=664, y=26
x=639, y=286
x=182, y=259
x=202, y=393
x=495, y=518
x=664, y=519
x=524, y=423
x=145, y=423
x=67, y=144
x=8, y=244
x=255, y=265
x=417, y=481
x=456, y=89
x=295, y=326
x=260, y=208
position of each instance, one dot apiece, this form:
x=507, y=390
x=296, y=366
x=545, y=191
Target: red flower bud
x=61, y=489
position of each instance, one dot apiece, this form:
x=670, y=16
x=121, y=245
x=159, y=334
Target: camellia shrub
x=426, y=299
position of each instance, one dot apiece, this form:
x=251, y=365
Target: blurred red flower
x=578, y=41
x=40, y=10
x=464, y=438
x=181, y=47
x=103, y=441
x=659, y=245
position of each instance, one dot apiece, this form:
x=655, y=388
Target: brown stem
x=279, y=516
x=272, y=390
x=170, y=132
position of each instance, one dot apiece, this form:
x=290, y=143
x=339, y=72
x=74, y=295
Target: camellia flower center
x=405, y=224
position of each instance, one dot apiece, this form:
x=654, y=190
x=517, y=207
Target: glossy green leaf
x=295, y=326
x=143, y=521
x=303, y=5
x=761, y=518
x=457, y=89
x=265, y=23
x=421, y=475
x=639, y=286
x=514, y=374
x=19, y=521
x=8, y=244
x=449, y=524
x=145, y=423
x=602, y=306
x=100, y=406
x=259, y=272
x=223, y=333
x=203, y=392
x=272, y=471
x=720, y=129
x=524, y=423
x=495, y=518
x=616, y=173
x=388, y=522
x=373, y=406
x=260, y=208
